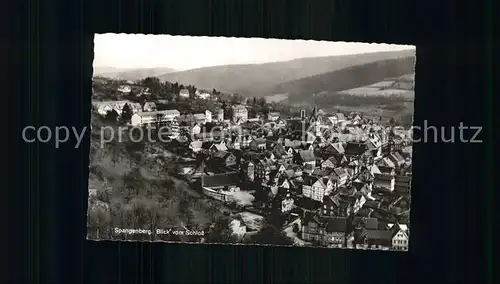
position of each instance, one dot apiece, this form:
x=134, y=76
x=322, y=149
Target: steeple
x=315, y=111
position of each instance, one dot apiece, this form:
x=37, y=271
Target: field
x=383, y=84
x=373, y=91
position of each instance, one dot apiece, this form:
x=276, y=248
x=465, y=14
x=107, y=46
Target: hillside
x=135, y=188
x=258, y=79
x=131, y=74
x=347, y=78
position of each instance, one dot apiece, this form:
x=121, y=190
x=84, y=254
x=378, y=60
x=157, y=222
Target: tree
x=296, y=228
x=98, y=221
x=236, y=99
x=165, y=89
x=153, y=213
x=153, y=84
x=111, y=115
x=192, y=91
x=262, y=102
x=126, y=113
x=103, y=196
x=270, y=236
x=392, y=121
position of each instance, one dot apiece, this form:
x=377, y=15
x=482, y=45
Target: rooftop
x=356, y=148
x=336, y=224
x=308, y=204
x=218, y=180
x=162, y=112
x=377, y=235
x=307, y=156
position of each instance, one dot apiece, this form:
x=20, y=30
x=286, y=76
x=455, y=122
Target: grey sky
x=184, y=52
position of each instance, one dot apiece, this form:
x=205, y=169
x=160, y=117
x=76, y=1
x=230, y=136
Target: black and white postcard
x=251, y=141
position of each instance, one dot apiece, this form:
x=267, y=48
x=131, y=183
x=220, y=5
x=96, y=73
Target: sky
x=185, y=52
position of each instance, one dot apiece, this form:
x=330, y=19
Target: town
x=323, y=179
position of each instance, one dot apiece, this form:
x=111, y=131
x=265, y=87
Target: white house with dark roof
x=273, y=116
x=316, y=188
x=400, y=236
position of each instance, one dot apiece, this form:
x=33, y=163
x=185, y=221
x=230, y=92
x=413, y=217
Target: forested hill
x=347, y=78
x=258, y=79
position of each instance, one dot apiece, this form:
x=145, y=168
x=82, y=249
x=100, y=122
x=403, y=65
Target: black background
x=48, y=217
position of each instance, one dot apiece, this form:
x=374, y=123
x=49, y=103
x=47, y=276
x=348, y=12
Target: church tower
x=315, y=122
x=314, y=112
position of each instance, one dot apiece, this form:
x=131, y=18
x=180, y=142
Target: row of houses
x=143, y=91
x=354, y=179
x=184, y=94
x=103, y=107
x=319, y=176
x=239, y=115
x=357, y=232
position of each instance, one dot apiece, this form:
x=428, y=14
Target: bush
x=103, y=195
x=268, y=235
